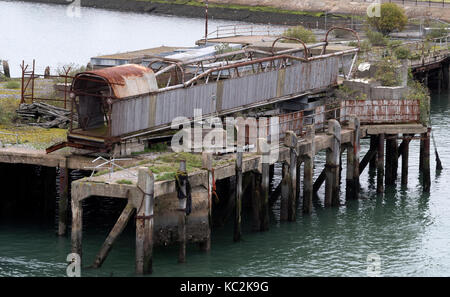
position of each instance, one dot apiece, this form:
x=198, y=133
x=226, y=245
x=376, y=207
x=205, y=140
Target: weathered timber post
x=332, y=165
x=391, y=159
x=353, y=151
x=63, y=198
x=264, y=150
x=77, y=225
x=256, y=201
x=207, y=164
x=238, y=198
x=284, y=202
x=380, y=164
x=47, y=72
x=144, y=222
x=291, y=141
x=115, y=232
x=405, y=157
x=426, y=161
x=182, y=216
x=422, y=151
x=6, y=71
x=308, y=168
x=373, y=147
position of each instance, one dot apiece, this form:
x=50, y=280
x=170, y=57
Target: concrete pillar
x=182, y=217
x=332, y=165
x=380, y=164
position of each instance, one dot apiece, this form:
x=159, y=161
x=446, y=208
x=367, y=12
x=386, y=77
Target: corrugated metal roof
x=126, y=80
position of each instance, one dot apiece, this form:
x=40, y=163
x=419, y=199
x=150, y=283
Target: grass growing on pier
x=166, y=166
x=124, y=182
x=35, y=137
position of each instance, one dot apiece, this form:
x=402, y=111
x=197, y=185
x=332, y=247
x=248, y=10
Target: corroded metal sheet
x=382, y=111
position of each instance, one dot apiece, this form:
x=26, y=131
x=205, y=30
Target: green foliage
x=376, y=38
x=124, y=182
x=438, y=32
x=418, y=91
x=346, y=93
x=301, y=33
x=365, y=45
x=223, y=48
x=12, y=84
x=74, y=69
x=154, y=148
x=386, y=72
x=339, y=33
x=402, y=53
x=392, y=18
x=8, y=107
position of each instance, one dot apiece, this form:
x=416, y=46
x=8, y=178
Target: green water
x=406, y=228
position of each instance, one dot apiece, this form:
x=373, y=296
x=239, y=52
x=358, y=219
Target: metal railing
x=244, y=30
x=429, y=3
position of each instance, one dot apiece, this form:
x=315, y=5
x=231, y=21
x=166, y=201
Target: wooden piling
x=332, y=165
x=115, y=232
x=380, y=164
x=207, y=164
x=6, y=71
x=352, y=189
x=144, y=222
x=256, y=201
x=373, y=147
x=182, y=218
x=284, y=201
x=391, y=159
x=405, y=156
x=77, y=225
x=63, y=198
x=238, y=198
x=308, y=168
x=426, y=161
x=291, y=141
x=264, y=150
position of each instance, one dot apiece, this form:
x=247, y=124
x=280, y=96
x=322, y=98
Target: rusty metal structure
x=129, y=101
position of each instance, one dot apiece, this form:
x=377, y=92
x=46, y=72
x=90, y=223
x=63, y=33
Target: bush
x=440, y=31
x=301, y=33
x=339, y=33
x=376, y=38
x=12, y=84
x=8, y=107
x=402, y=53
x=392, y=18
x=386, y=72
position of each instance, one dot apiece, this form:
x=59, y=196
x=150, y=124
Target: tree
x=392, y=18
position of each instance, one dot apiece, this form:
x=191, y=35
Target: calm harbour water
x=49, y=35
x=406, y=228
